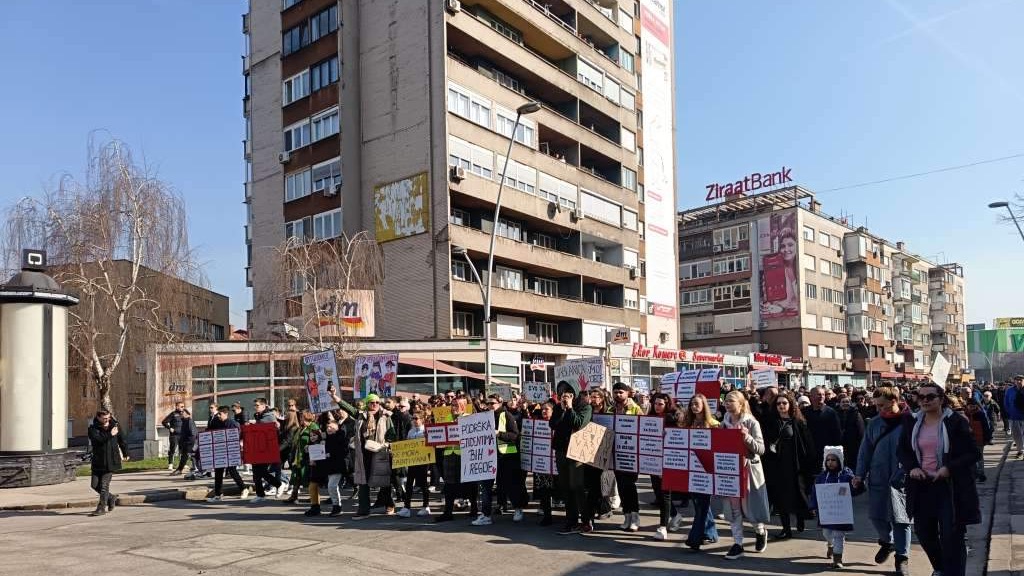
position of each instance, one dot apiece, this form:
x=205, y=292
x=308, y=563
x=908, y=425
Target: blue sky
x=841, y=92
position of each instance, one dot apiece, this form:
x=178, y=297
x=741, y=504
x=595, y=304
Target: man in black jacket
x=223, y=421
x=823, y=422
x=186, y=440
x=571, y=414
x=173, y=424
x=107, y=445
x=262, y=472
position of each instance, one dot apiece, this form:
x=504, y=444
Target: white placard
x=542, y=465
x=695, y=464
x=542, y=443
x=537, y=391
x=317, y=452
x=650, y=445
x=541, y=427
x=727, y=485
x=478, y=444
x=625, y=462
x=625, y=424
x=436, y=434
x=584, y=373
x=650, y=465
x=652, y=425
x=835, y=504
x=700, y=439
x=940, y=369
x=701, y=483
x=678, y=438
x=526, y=442
x=526, y=461
x=626, y=443
x=676, y=459
x=763, y=378
x=727, y=463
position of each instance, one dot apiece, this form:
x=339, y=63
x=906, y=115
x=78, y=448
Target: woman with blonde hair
x=753, y=506
x=698, y=415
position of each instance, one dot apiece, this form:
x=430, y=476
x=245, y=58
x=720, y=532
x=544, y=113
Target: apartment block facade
x=773, y=277
x=394, y=117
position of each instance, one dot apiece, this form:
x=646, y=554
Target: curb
x=190, y=494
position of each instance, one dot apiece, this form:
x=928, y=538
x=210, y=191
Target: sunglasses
x=927, y=397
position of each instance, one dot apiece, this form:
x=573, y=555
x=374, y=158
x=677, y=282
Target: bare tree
x=119, y=241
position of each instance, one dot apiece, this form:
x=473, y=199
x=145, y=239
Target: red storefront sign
x=642, y=352
x=769, y=359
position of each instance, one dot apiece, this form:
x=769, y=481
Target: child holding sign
x=835, y=473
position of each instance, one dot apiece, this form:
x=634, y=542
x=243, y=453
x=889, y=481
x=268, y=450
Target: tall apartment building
x=394, y=117
x=773, y=277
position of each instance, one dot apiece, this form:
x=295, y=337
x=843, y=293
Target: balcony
x=523, y=303
x=245, y=65
x=247, y=149
x=248, y=276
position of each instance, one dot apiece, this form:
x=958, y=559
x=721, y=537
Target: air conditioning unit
x=332, y=190
x=717, y=248
x=453, y=6
x=576, y=215
x=284, y=157
x=632, y=273
x=456, y=174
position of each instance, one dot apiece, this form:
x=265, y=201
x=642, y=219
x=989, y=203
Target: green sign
x=996, y=341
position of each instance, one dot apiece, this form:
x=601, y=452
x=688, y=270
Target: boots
x=335, y=511
x=902, y=565
x=314, y=510
x=837, y=560
x=111, y=502
x=101, y=507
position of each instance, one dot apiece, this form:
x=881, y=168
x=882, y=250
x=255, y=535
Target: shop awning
x=439, y=366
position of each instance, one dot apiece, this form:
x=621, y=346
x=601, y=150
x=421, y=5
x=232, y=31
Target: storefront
x=790, y=372
x=637, y=363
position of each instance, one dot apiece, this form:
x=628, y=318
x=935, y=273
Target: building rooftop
x=729, y=209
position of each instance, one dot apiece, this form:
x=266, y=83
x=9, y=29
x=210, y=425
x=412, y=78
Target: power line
x=919, y=174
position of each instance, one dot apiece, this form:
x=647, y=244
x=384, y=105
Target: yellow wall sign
x=442, y=414
x=407, y=453
x=402, y=208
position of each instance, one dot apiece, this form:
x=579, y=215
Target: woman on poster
x=780, y=287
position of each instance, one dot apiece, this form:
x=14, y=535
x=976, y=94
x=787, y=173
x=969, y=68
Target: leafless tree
x=118, y=240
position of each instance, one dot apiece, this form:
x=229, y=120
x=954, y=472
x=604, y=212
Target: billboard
x=402, y=208
x=778, y=249
x=332, y=313
x=659, y=169
x=1009, y=323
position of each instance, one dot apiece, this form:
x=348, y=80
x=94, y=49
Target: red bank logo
x=755, y=181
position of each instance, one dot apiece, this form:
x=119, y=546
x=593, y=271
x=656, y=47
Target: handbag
x=373, y=446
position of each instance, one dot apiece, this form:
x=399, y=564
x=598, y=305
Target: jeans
x=334, y=488
x=100, y=483
x=893, y=534
x=185, y=454
x=664, y=500
x=383, y=498
x=703, y=525
x=218, y=479
x=1017, y=431
x=626, y=482
x=736, y=521
x=836, y=539
x=261, y=473
x=417, y=477
x=937, y=531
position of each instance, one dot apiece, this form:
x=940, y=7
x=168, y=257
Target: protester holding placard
x=703, y=530
x=417, y=475
x=663, y=407
x=374, y=430
x=508, y=476
x=602, y=492
x=754, y=505
x=626, y=481
x=261, y=472
x=572, y=414
x=544, y=484
x=300, y=458
x=790, y=463
x=835, y=473
x=454, y=488
x=224, y=421
x=333, y=468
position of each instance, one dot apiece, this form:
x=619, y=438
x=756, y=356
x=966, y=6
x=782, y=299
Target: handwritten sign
x=414, y=452
x=835, y=503
x=478, y=442
x=261, y=446
x=220, y=448
x=592, y=444
x=442, y=414
x=537, y=391
x=763, y=378
x=582, y=373
x=317, y=452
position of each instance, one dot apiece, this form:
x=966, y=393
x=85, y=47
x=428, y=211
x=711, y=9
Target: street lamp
x=527, y=108
x=1004, y=204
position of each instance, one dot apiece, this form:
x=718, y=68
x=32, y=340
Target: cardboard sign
x=940, y=369
x=375, y=374
x=442, y=414
x=536, y=453
x=414, y=452
x=260, y=446
x=835, y=503
x=764, y=378
x=503, y=390
x=584, y=373
x=537, y=391
x=705, y=461
x=220, y=448
x=441, y=435
x=478, y=442
x=593, y=444
x=320, y=371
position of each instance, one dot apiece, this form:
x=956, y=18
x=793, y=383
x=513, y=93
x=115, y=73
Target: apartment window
x=627, y=139
x=601, y=209
x=460, y=270
x=295, y=87
x=837, y=270
x=626, y=59
x=469, y=105
x=325, y=124
x=812, y=350
x=827, y=352
x=296, y=136
x=297, y=284
x=808, y=233
x=519, y=176
x=628, y=100
x=545, y=287
x=809, y=262
x=811, y=291
x=836, y=243
x=544, y=240
x=460, y=217
x=325, y=73
x=629, y=219
x=731, y=265
x=826, y=267
x=327, y=174
x=473, y=158
x=824, y=239
x=705, y=327
x=509, y=278
x=547, y=332
x=301, y=228
x=462, y=323
x=289, y=3
x=693, y=270
x=294, y=39
x=631, y=298
x=327, y=225
x=525, y=133
x=695, y=297
x=296, y=185
x=590, y=75
x=730, y=238
x=626, y=21
x=628, y=179
x=510, y=229
x=500, y=26
x=324, y=23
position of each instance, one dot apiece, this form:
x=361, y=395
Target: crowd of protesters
x=913, y=451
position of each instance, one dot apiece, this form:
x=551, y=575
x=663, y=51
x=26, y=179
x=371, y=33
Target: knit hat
x=836, y=451
x=372, y=398
x=803, y=401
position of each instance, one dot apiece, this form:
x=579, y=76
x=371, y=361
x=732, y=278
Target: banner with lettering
x=582, y=373
x=260, y=446
x=704, y=461
x=478, y=443
x=682, y=386
x=535, y=451
x=638, y=444
x=220, y=448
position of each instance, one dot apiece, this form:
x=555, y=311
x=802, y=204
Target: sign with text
x=414, y=452
x=261, y=446
x=682, y=386
x=704, y=461
x=638, y=444
x=442, y=414
x=593, y=444
x=750, y=183
x=763, y=378
x=503, y=390
x=478, y=442
x=376, y=374
x=940, y=369
x=317, y=452
x=535, y=450
x=319, y=371
x=220, y=448
x=537, y=391
x=332, y=313
x=835, y=503
x=440, y=435
x=584, y=373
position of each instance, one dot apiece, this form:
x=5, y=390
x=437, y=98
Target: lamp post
x=1004, y=204
x=527, y=108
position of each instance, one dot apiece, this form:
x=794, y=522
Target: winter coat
x=852, y=425
x=565, y=422
x=188, y=431
x=1013, y=403
x=336, y=447
x=825, y=430
x=790, y=468
x=957, y=452
x=844, y=476
x=379, y=473
x=173, y=421
x=878, y=464
x=755, y=504
x=218, y=424
x=106, y=449
x=402, y=422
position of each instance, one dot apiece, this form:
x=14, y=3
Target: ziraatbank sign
x=751, y=183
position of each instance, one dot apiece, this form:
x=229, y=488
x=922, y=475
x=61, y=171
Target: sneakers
x=314, y=510
x=271, y=491
x=761, y=541
x=634, y=521
x=675, y=523
x=244, y=494
x=625, y=521
x=404, y=513
x=335, y=511
x=837, y=561
x=884, y=551
x=482, y=520
x=518, y=515
x=257, y=500
x=424, y=512
x=829, y=551
x=902, y=566
x=214, y=499
x=661, y=533
x=170, y=466
x=585, y=528
x=175, y=473
x=734, y=553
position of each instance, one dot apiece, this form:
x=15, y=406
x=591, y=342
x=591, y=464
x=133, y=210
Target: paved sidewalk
x=1006, y=551
x=131, y=488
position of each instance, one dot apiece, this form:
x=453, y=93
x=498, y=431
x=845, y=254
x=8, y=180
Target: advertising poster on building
x=535, y=451
x=376, y=374
x=583, y=373
x=338, y=313
x=779, y=282
x=319, y=371
x=402, y=208
x=659, y=169
x=220, y=448
x=261, y=444
x=704, y=461
x=478, y=443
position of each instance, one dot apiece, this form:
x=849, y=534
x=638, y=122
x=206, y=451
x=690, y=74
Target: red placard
x=441, y=435
x=705, y=461
x=259, y=444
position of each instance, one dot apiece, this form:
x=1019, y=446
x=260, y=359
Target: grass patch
x=130, y=466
